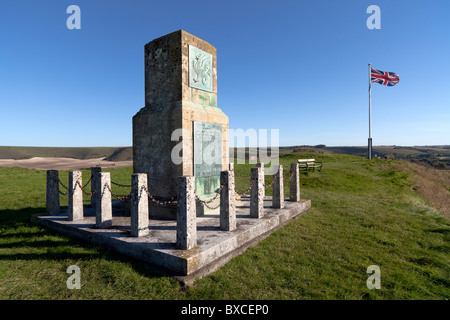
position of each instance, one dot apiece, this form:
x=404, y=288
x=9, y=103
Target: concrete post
x=75, y=211
x=186, y=214
x=94, y=184
x=294, y=194
x=103, y=206
x=227, y=202
x=257, y=193
x=139, y=205
x=231, y=166
x=52, y=195
x=278, y=188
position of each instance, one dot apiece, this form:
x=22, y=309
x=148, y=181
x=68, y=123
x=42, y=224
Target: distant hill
x=121, y=154
x=435, y=156
x=83, y=153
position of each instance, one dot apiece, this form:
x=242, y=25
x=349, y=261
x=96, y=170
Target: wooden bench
x=305, y=164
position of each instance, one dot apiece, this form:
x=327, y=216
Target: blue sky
x=297, y=66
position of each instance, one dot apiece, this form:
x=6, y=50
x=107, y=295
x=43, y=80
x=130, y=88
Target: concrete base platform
x=215, y=247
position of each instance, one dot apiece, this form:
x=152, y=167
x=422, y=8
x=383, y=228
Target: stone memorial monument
x=180, y=131
x=181, y=171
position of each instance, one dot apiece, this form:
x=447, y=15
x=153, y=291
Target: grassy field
x=364, y=213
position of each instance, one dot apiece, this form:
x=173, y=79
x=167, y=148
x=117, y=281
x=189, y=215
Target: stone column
x=139, y=205
x=75, y=211
x=103, y=206
x=186, y=214
x=278, y=188
x=294, y=194
x=261, y=165
x=52, y=195
x=227, y=202
x=94, y=184
x=231, y=166
x=257, y=193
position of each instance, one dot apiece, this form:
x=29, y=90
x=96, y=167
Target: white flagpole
x=369, y=153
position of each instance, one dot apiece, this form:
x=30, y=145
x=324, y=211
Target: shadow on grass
x=18, y=234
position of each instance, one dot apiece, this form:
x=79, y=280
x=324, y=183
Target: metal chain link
x=241, y=175
x=161, y=203
x=246, y=191
x=206, y=202
x=76, y=184
x=290, y=176
x=211, y=208
x=87, y=182
x=125, y=197
x=60, y=182
x=273, y=181
x=82, y=189
x=121, y=185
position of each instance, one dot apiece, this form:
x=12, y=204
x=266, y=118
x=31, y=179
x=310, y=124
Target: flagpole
x=369, y=151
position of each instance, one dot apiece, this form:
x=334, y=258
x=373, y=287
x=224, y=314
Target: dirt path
x=62, y=163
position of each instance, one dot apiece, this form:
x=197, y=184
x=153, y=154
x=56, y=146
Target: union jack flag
x=385, y=78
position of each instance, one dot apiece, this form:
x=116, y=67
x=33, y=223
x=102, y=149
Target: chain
x=273, y=181
x=161, y=203
x=116, y=196
x=245, y=193
x=121, y=185
x=206, y=202
x=82, y=188
x=87, y=182
x=241, y=175
x=290, y=176
x=211, y=208
x=62, y=185
x=76, y=184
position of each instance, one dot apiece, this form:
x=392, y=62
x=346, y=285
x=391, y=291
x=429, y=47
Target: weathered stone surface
x=52, y=194
x=94, y=184
x=186, y=214
x=171, y=104
x=103, y=207
x=294, y=190
x=75, y=212
x=139, y=205
x=257, y=193
x=278, y=188
x=227, y=202
x=261, y=165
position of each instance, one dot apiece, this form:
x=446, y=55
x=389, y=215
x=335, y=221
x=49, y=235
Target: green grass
x=364, y=213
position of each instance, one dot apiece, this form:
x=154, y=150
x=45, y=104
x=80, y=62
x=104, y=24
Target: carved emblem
x=201, y=65
x=200, y=69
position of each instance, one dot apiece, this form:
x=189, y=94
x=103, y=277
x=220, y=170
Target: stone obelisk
x=180, y=131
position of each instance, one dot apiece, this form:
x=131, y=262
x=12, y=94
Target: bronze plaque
x=207, y=157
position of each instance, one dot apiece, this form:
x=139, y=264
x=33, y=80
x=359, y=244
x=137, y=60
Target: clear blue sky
x=300, y=66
